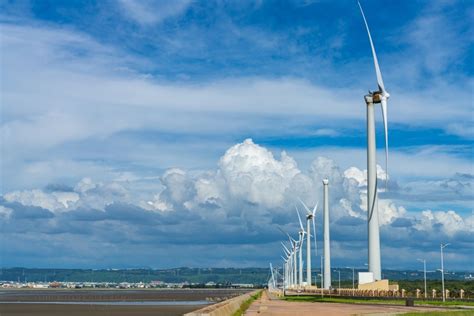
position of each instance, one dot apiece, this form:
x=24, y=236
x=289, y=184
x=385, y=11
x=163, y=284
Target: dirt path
x=267, y=306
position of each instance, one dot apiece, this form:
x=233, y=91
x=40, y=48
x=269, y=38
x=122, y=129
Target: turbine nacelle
x=309, y=214
x=377, y=97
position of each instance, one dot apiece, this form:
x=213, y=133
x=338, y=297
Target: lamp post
x=322, y=289
x=322, y=273
x=442, y=269
x=424, y=274
x=339, y=282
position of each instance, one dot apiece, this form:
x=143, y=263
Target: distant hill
x=193, y=275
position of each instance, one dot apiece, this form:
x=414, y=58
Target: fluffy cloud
x=54, y=201
x=254, y=175
x=360, y=176
x=86, y=194
x=448, y=222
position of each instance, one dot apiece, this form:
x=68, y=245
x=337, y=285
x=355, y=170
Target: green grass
x=438, y=313
x=447, y=303
x=246, y=304
x=314, y=298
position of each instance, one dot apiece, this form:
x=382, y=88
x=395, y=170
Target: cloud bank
x=241, y=204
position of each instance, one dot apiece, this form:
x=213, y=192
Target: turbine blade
x=315, y=240
x=284, y=232
x=286, y=249
x=315, y=208
x=376, y=62
x=299, y=218
x=280, y=229
x=385, y=125
x=306, y=208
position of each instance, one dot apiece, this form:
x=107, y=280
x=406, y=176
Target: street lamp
x=339, y=273
x=424, y=274
x=441, y=247
x=322, y=274
x=322, y=289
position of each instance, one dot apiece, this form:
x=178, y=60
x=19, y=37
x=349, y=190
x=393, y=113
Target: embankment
x=225, y=308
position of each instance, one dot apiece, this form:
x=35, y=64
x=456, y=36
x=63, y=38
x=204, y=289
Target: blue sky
x=126, y=129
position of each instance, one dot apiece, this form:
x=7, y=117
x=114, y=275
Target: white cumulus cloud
x=54, y=201
x=449, y=222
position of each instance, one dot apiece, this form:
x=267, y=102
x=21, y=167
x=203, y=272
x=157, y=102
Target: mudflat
x=92, y=310
x=92, y=302
x=54, y=295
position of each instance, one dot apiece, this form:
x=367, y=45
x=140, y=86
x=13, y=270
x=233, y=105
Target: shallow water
x=121, y=303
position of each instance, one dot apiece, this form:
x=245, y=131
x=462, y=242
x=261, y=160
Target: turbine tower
x=295, y=264
x=301, y=233
x=288, y=273
x=327, y=249
x=380, y=96
x=310, y=217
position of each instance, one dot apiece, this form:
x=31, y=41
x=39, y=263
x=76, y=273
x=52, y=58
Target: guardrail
x=390, y=294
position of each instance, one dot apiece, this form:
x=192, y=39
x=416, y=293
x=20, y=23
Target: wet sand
x=57, y=302
x=92, y=310
x=99, y=295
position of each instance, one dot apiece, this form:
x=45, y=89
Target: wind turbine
x=273, y=277
x=285, y=273
x=310, y=217
x=287, y=265
x=295, y=264
x=294, y=249
x=300, y=245
x=380, y=96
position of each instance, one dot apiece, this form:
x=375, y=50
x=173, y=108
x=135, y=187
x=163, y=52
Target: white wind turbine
x=272, y=277
x=380, y=96
x=285, y=276
x=288, y=265
x=294, y=249
x=285, y=269
x=301, y=233
x=291, y=261
x=295, y=264
x=310, y=217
